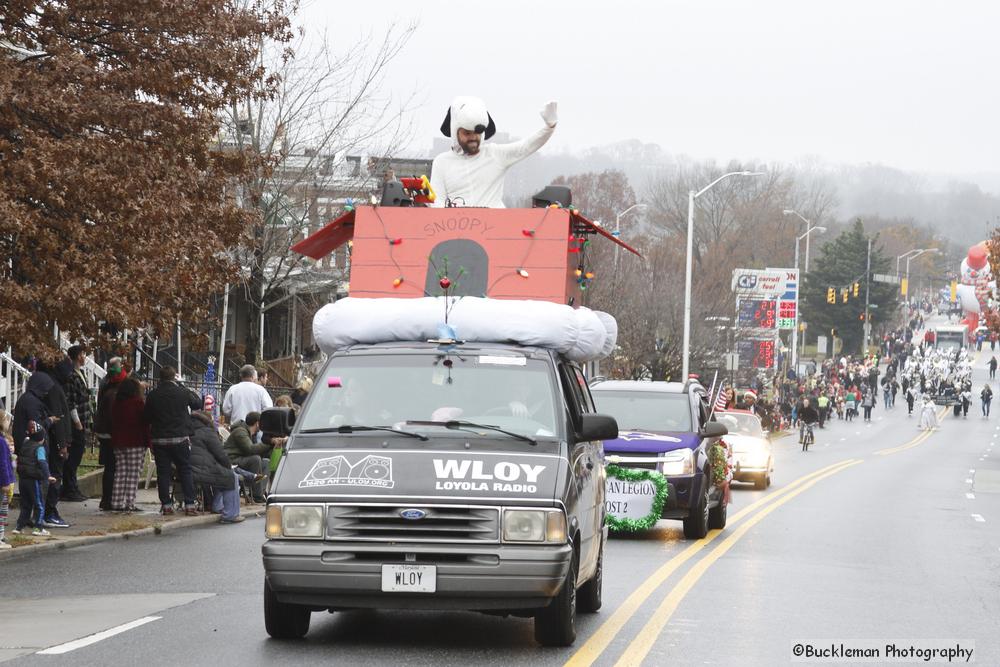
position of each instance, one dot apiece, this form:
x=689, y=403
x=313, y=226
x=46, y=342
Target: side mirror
x=278, y=421
x=714, y=430
x=598, y=427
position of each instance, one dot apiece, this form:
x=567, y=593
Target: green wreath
x=659, y=500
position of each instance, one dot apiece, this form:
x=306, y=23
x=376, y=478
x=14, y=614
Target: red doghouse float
x=535, y=253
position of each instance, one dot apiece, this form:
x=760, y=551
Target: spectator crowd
x=201, y=465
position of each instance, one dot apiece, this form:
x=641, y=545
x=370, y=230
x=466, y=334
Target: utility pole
x=868, y=281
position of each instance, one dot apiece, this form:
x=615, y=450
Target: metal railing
x=15, y=380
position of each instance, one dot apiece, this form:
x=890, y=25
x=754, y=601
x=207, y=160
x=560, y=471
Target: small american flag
x=722, y=400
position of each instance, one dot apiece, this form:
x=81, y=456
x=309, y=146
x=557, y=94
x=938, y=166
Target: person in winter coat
x=36, y=404
x=966, y=397
x=129, y=440
x=867, y=403
x=850, y=405
x=60, y=437
x=102, y=425
x=78, y=399
x=911, y=397
x=210, y=467
x=245, y=452
x=986, y=396
x=33, y=478
x=168, y=408
x=7, y=477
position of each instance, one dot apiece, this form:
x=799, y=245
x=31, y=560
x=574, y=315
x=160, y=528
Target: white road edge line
x=979, y=518
x=970, y=496
x=96, y=637
x=968, y=481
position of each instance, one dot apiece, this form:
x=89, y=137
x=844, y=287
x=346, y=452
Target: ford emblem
x=412, y=514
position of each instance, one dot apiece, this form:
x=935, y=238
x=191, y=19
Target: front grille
x=640, y=465
x=382, y=523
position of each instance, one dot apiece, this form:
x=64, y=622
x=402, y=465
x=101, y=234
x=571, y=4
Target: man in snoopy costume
x=472, y=173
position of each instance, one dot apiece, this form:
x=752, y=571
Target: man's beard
x=470, y=147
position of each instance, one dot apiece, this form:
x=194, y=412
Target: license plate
x=409, y=578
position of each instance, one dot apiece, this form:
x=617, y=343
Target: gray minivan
x=430, y=476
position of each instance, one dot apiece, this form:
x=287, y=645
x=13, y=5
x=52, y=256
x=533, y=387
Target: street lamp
x=618, y=230
x=789, y=211
x=692, y=195
x=795, y=330
x=916, y=254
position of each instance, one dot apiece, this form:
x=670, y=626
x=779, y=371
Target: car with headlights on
x=419, y=475
x=751, y=445
x=667, y=427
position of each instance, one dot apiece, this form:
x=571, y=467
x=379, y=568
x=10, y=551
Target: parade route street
x=880, y=532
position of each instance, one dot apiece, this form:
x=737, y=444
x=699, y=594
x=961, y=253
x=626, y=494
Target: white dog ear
x=446, y=125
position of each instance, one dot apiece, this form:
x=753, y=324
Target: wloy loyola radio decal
x=475, y=475
x=370, y=471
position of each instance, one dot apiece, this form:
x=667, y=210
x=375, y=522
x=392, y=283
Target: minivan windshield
x=505, y=390
x=645, y=410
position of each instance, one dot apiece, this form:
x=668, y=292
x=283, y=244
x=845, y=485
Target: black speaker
x=553, y=194
x=393, y=194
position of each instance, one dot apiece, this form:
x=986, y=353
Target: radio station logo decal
x=371, y=471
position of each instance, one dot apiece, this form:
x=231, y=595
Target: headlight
x=678, y=462
x=294, y=521
x=534, y=526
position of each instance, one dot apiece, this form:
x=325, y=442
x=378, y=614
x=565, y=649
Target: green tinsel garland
x=659, y=500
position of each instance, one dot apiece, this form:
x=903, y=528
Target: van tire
x=283, y=620
x=555, y=625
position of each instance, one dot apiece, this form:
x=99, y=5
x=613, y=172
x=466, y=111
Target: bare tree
x=329, y=103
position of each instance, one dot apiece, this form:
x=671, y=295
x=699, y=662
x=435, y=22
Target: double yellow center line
x=912, y=443
x=639, y=648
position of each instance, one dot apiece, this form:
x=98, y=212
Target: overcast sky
x=912, y=84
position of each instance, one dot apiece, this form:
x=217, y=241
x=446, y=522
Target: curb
x=86, y=540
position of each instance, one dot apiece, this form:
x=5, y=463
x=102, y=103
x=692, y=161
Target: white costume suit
x=477, y=180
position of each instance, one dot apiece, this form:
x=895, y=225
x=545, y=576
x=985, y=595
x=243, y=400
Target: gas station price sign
x=786, y=314
x=758, y=313
x=763, y=354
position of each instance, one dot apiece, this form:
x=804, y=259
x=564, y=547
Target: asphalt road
x=878, y=533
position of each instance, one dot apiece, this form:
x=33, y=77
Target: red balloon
x=445, y=282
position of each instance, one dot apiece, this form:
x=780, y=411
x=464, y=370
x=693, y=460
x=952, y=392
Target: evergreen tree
x=842, y=263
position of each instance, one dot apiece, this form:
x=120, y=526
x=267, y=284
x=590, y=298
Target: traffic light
x=857, y=289
x=843, y=293
x=861, y=317
x=831, y=295
x=833, y=333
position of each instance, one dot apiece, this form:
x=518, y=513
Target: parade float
x=477, y=274
x=975, y=289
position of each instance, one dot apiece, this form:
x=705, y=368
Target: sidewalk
x=88, y=524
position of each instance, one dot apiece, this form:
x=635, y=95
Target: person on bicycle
x=807, y=417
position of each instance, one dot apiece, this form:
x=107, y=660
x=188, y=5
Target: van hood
x=444, y=470
x=646, y=442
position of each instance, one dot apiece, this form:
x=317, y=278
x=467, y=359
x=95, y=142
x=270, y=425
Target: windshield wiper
x=354, y=428
x=459, y=425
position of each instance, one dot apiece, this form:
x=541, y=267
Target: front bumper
x=341, y=575
x=683, y=493
x=750, y=469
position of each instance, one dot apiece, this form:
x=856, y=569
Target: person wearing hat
x=472, y=173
